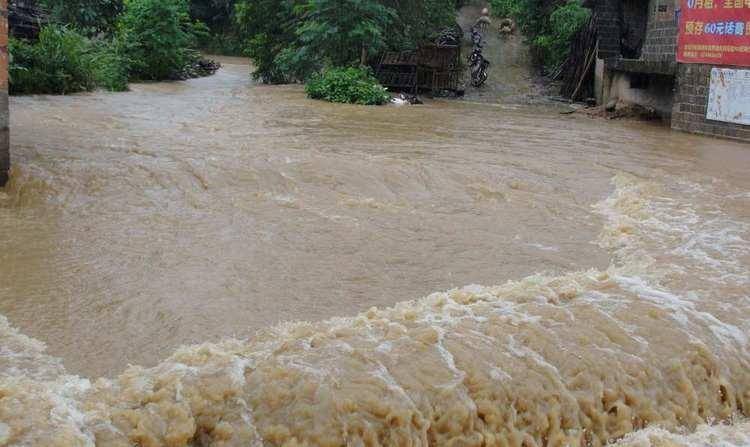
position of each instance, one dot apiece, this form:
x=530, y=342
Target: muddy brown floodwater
x=193, y=212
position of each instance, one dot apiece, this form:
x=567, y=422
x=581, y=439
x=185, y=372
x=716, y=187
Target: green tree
x=290, y=39
x=417, y=21
x=268, y=29
x=217, y=14
x=157, y=38
x=90, y=16
x=342, y=30
x=555, y=32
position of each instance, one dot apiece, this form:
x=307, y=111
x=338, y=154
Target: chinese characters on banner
x=714, y=32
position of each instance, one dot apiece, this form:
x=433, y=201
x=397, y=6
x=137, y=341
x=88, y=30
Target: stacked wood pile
x=430, y=68
x=25, y=18
x=577, y=72
x=398, y=71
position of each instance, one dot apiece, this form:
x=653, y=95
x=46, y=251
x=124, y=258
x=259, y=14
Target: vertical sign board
x=714, y=32
x=729, y=96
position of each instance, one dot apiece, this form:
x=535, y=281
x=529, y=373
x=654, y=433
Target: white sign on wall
x=729, y=96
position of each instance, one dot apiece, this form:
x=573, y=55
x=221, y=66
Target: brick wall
x=633, y=21
x=661, y=33
x=691, y=103
x=608, y=27
x=4, y=114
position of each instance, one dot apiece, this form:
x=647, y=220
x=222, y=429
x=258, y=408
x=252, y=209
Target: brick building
x=637, y=63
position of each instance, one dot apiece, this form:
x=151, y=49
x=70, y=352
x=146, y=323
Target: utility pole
x=4, y=112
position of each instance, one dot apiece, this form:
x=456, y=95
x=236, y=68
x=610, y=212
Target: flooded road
x=190, y=212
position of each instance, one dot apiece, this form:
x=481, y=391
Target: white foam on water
x=583, y=358
x=721, y=435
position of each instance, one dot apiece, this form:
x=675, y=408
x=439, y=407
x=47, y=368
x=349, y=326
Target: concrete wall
x=658, y=94
x=4, y=113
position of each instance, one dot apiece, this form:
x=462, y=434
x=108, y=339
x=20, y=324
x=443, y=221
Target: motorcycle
x=478, y=66
x=476, y=36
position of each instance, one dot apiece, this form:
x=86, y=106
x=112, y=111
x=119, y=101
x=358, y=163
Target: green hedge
x=347, y=85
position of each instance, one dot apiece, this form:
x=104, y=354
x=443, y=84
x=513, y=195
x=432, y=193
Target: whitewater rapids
x=652, y=351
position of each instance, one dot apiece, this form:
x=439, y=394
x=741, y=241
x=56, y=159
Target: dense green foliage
x=347, y=85
x=507, y=8
x=157, y=37
x=417, y=21
x=149, y=40
x=289, y=40
x=63, y=61
x=550, y=25
x=267, y=26
x=218, y=15
x=110, y=66
x=89, y=16
x=340, y=29
x=553, y=45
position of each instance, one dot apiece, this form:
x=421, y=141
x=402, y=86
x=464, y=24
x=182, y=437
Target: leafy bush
x=110, y=66
x=92, y=17
x=156, y=38
x=59, y=62
x=564, y=22
x=64, y=61
x=506, y=8
x=347, y=85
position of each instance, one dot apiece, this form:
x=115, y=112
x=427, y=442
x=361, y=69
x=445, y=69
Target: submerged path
x=189, y=212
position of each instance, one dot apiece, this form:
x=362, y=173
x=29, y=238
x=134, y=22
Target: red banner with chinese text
x=714, y=32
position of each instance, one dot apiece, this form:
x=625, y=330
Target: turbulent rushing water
x=191, y=212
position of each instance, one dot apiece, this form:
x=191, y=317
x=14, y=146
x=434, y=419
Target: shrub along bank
x=64, y=61
x=347, y=85
x=147, y=40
